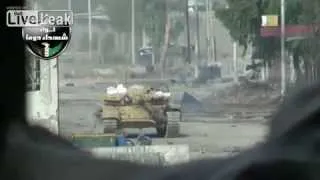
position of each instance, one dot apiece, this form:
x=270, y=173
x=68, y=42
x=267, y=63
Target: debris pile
x=247, y=93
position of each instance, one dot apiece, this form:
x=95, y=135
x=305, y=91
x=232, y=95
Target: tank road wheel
x=110, y=126
x=180, y=116
x=173, y=125
x=162, y=130
x=98, y=126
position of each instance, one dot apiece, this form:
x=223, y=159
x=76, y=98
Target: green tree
x=150, y=14
x=155, y=21
x=176, y=30
x=305, y=50
x=243, y=20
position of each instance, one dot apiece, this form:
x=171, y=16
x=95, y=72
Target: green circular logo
x=46, y=41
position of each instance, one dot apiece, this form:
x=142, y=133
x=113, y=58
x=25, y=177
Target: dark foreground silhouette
x=291, y=150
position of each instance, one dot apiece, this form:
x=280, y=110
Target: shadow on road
x=153, y=135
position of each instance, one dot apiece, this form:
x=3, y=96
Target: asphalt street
x=206, y=136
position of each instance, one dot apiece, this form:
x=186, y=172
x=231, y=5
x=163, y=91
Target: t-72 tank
x=139, y=107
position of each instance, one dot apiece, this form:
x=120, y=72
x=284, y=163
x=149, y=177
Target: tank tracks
x=106, y=126
x=169, y=130
x=110, y=126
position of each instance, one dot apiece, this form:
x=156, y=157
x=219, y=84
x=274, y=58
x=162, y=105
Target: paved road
x=209, y=138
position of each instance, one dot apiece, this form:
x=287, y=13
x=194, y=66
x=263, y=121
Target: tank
x=139, y=107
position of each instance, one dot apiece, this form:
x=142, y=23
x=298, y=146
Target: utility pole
x=35, y=5
x=235, y=63
x=133, y=44
x=208, y=31
x=144, y=37
x=163, y=59
x=188, y=31
x=213, y=37
x=214, y=49
x=283, y=63
x=198, y=31
x=90, y=29
x=69, y=5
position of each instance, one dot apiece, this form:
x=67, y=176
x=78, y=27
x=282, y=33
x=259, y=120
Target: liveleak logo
x=33, y=18
x=46, y=33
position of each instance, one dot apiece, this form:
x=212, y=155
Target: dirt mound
x=248, y=94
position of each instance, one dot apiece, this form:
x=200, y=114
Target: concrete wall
x=43, y=105
x=155, y=154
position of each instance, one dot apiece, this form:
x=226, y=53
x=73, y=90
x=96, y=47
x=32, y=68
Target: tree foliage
x=155, y=21
x=177, y=28
x=150, y=14
x=239, y=19
x=78, y=6
x=243, y=20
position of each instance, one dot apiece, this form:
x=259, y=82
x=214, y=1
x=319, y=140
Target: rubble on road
x=104, y=72
x=247, y=93
x=70, y=84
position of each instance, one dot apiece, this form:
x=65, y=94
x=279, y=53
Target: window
x=33, y=74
